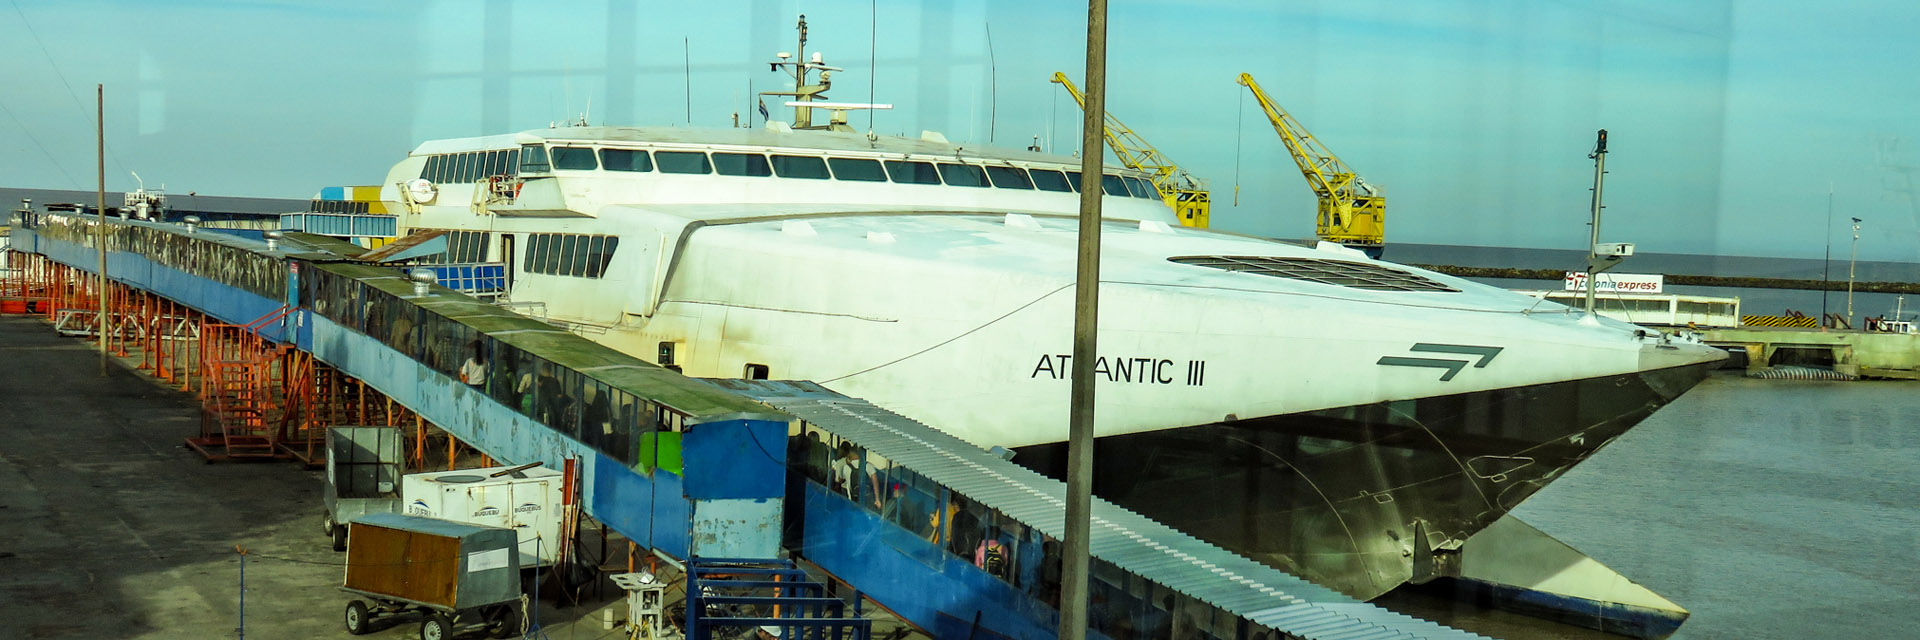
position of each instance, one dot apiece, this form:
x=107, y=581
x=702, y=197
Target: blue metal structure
x=955, y=540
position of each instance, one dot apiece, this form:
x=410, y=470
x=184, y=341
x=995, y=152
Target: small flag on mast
x=763, y=110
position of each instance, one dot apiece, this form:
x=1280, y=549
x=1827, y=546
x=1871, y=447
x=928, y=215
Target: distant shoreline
x=1683, y=279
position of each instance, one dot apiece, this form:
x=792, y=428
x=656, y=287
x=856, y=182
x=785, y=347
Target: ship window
x=430, y=173
x=857, y=169
x=459, y=168
x=596, y=256
x=497, y=163
x=1341, y=273
x=536, y=243
x=1113, y=186
x=1073, y=178
x=469, y=167
x=582, y=245
x=556, y=254
x=1049, y=180
x=574, y=159
x=569, y=251
x=1139, y=188
x=682, y=162
x=756, y=371
x=741, y=164
x=606, y=255
x=625, y=160
x=1009, y=178
x=800, y=167
x=963, y=175
x=909, y=172
x=533, y=159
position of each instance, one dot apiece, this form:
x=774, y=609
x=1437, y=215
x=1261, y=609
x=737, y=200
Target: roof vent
x=798, y=228
x=1340, y=273
x=1023, y=221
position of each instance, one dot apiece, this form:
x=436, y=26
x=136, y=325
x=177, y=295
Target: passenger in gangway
x=474, y=370
x=848, y=473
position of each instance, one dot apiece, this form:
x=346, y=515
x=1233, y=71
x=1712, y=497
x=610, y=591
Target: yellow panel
x=363, y=194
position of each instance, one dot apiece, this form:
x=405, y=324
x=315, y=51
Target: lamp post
x=1852, y=255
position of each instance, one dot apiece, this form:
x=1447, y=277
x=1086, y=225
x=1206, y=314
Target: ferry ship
x=1344, y=418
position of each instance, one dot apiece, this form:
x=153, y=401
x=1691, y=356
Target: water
x=1770, y=509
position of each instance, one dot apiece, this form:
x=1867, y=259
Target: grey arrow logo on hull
x=1453, y=367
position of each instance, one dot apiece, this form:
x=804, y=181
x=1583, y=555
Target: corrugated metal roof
x=1128, y=540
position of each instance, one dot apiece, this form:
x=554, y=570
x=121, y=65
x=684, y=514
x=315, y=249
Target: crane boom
x=1187, y=195
x=1352, y=212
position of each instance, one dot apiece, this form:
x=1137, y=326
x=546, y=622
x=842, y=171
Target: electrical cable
x=63, y=80
x=43, y=148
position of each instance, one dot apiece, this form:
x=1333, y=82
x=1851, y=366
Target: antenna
x=686, y=61
x=589, y=112
x=136, y=178
x=873, y=60
x=993, y=85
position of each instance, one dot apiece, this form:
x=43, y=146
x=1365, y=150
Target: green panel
x=661, y=449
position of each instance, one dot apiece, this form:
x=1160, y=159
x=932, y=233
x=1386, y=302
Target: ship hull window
x=1009, y=178
x=741, y=164
x=909, y=172
x=574, y=159
x=533, y=159
x=692, y=162
x=1073, y=178
x=1050, y=180
x=963, y=175
x=857, y=170
x=625, y=160
x=1114, y=186
x=807, y=167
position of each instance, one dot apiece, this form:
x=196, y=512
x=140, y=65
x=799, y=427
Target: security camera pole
x=1600, y=257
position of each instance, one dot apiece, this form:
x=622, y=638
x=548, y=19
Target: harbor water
x=1769, y=508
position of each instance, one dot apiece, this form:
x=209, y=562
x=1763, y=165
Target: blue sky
x=1728, y=118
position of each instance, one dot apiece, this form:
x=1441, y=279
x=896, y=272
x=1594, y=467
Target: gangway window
x=1009, y=178
x=625, y=160
x=741, y=164
x=1051, y=180
x=857, y=169
x=574, y=159
x=911, y=172
x=963, y=175
x=692, y=162
x=807, y=167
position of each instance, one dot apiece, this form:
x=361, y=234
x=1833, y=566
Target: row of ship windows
x=562, y=254
x=470, y=166
x=473, y=166
x=818, y=168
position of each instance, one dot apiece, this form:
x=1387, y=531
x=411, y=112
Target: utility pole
x=1852, y=256
x=100, y=204
x=1086, y=314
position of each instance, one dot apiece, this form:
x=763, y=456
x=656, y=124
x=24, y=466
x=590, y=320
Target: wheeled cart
x=456, y=576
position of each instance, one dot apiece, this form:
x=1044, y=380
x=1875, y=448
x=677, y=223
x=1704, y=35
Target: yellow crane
x=1352, y=212
x=1186, y=194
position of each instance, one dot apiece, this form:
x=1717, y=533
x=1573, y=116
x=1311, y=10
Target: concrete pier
x=1860, y=353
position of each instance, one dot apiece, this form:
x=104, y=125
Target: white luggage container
x=529, y=504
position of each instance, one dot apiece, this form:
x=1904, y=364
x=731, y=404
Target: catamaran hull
x=1366, y=498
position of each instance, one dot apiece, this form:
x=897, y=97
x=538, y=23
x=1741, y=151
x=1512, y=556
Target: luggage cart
x=454, y=575
x=363, y=476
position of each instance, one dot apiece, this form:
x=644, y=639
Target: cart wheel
x=358, y=618
x=326, y=524
x=436, y=626
x=504, y=620
x=339, y=538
